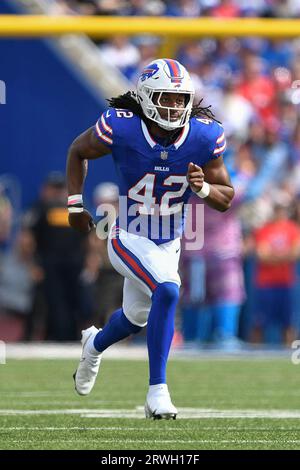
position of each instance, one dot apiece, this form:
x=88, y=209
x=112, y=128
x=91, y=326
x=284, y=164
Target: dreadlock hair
x=200, y=111
x=129, y=101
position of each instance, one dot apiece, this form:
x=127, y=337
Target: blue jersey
x=152, y=177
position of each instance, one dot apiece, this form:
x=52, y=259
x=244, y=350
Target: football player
x=164, y=149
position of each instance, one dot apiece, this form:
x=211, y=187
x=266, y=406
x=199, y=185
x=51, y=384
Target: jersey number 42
x=143, y=192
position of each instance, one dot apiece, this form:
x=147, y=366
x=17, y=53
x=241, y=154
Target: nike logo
x=177, y=250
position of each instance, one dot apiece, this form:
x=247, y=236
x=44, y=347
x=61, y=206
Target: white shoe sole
x=152, y=415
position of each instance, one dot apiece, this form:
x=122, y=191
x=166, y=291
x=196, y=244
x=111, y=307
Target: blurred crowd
x=188, y=8
x=244, y=284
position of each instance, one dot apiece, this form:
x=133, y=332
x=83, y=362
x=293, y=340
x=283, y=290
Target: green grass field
x=40, y=409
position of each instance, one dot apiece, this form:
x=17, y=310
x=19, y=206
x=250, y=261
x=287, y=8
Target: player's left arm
x=213, y=178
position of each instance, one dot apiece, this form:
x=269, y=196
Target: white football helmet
x=165, y=76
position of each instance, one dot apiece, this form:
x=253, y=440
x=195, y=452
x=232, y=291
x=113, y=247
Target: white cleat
x=158, y=404
x=87, y=370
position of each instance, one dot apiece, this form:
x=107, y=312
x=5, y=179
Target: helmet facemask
x=153, y=105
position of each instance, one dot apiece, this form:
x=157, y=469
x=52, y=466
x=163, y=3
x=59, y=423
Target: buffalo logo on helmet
x=149, y=72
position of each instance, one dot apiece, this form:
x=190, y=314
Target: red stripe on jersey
x=135, y=267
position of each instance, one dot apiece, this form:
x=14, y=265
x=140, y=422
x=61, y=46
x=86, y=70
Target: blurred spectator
x=106, y=199
x=111, y=7
x=62, y=7
x=288, y=120
x=187, y=8
x=253, y=8
x=121, y=53
x=6, y=214
x=258, y=88
x=271, y=157
x=191, y=54
x=286, y=8
x=277, y=53
x=277, y=247
x=19, y=275
x=148, y=48
x=61, y=252
x=226, y=9
x=143, y=8
x=233, y=105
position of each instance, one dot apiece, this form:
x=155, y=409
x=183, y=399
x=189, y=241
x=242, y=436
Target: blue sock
x=160, y=329
x=226, y=318
x=117, y=328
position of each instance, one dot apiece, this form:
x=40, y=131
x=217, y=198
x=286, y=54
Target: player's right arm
x=87, y=146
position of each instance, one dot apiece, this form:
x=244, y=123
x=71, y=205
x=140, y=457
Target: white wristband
x=75, y=199
x=75, y=210
x=204, y=191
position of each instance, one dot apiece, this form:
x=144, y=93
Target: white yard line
x=159, y=441
x=47, y=404
x=36, y=350
x=138, y=412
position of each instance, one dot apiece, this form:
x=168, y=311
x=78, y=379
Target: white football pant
x=144, y=265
